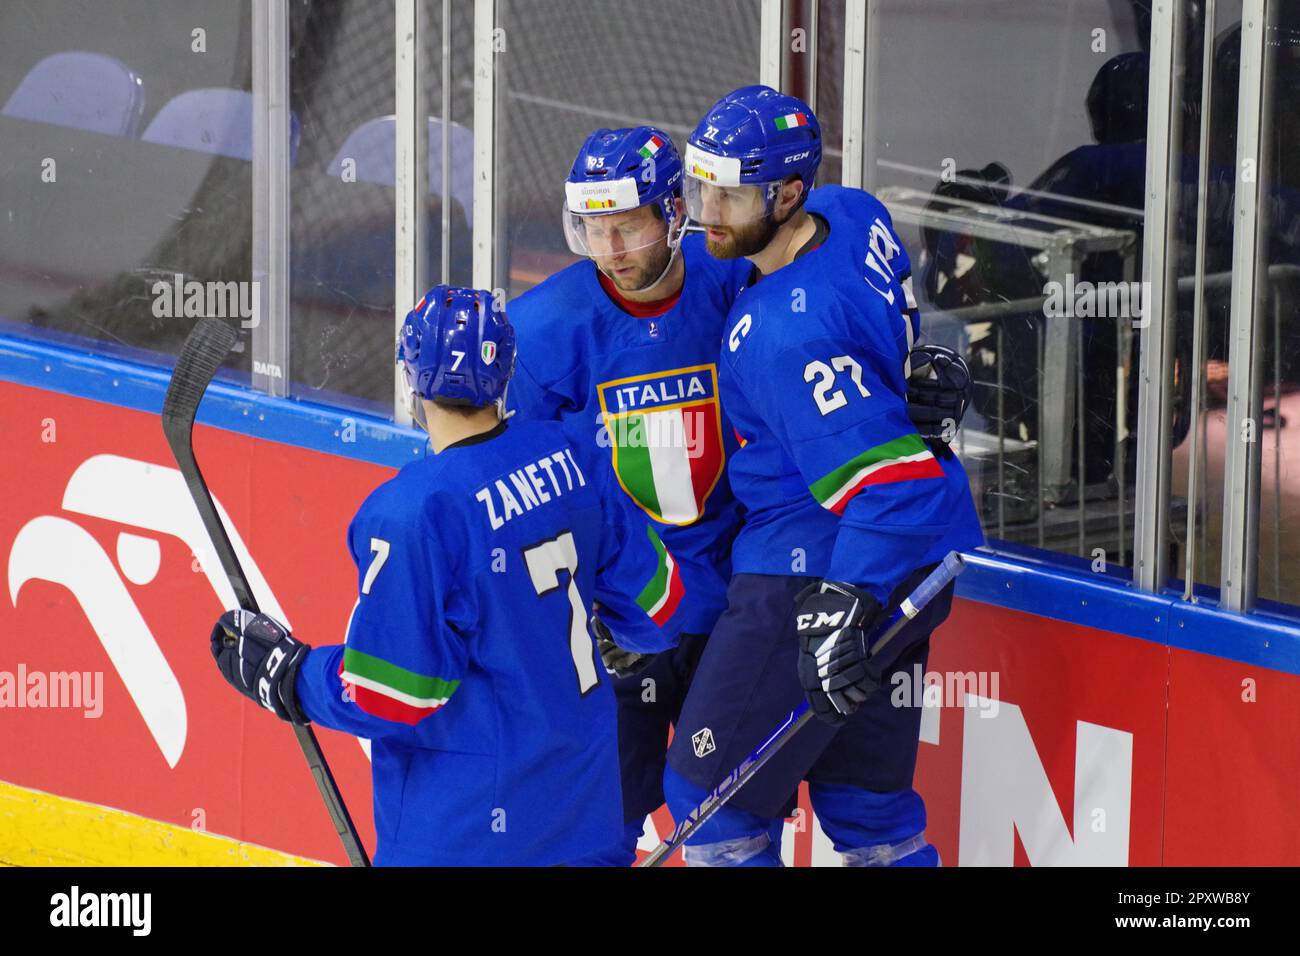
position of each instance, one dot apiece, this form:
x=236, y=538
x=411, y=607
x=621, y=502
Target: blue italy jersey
x=645, y=392
x=834, y=478
x=468, y=661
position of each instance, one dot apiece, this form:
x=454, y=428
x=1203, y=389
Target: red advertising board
x=1048, y=742
x=100, y=582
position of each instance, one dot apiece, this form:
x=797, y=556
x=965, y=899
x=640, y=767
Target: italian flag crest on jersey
x=664, y=430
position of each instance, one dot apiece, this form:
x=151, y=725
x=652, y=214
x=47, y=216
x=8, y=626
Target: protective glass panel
x=1010, y=151
x=343, y=210
x=608, y=75
x=1278, y=341
x=1201, y=330
x=826, y=78
x=125, y=167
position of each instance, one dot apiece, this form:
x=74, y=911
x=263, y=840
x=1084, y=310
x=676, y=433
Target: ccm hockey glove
x=258, y=657
x=938, y=393
x=833, y=620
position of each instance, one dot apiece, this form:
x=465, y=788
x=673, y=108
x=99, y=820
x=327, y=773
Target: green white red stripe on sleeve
x=385, y=690
x=663, y=594
x=903, y=459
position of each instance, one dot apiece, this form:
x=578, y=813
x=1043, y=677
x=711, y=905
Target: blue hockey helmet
x=618, y=170
x=749, y=143
x=457, y=348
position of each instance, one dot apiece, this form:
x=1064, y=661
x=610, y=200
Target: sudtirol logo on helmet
x=622, y=205
x=457, y=348
x=749, y=144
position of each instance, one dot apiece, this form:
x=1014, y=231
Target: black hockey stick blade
x=202, y=354
x=204, y=350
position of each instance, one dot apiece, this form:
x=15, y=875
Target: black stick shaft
x=204, y=351
x=923, y=594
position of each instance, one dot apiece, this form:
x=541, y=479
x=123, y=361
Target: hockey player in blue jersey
x=468, y=661
x=846, y=506
x=623, y=346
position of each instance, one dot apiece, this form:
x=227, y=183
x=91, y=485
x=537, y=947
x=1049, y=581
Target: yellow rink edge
x=43, y=829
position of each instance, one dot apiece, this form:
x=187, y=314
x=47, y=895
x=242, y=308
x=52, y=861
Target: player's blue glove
x=938, y=393
x=833, y=620
x=258, y=657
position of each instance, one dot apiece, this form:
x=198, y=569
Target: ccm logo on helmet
x=798, y=156
x=805, y=621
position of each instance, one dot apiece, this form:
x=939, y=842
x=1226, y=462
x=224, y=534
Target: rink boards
x=1072, y=720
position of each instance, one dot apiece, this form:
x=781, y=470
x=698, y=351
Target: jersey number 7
x=545, y=561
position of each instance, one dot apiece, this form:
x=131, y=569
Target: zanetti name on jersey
x=530, y=487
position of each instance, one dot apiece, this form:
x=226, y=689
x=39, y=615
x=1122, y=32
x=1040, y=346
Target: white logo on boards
x=56, y=549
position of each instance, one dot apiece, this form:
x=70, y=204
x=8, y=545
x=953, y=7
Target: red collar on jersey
x=640, y=310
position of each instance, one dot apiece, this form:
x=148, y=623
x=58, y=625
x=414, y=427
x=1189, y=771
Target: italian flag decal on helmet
x=652, y=146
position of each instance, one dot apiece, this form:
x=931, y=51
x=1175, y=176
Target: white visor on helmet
x=713, y=192
x=607, y=219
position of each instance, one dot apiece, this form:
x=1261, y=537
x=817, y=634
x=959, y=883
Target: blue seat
x=84, y=90
x=373, y=146
x=215, y=120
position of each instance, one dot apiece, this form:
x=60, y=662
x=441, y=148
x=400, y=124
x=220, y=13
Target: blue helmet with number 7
x=749, y=143
x=457, y=348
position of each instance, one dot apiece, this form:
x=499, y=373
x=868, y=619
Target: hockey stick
x=923, y=594
x=203, y=352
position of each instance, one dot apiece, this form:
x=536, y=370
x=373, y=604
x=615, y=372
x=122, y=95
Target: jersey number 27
x=822, y=378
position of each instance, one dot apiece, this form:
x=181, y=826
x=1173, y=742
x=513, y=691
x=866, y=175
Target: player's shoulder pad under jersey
x=532, y=312
x=414, y=513
x=857, y=205
x=548, y=316
x=402, y=502
x=741, y=331
x=759, y=320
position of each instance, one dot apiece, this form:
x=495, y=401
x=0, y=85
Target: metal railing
x=1060, y=247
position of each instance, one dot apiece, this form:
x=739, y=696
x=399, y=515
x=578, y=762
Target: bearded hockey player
x=846, y=506
x=467, y=661
x=623, y=346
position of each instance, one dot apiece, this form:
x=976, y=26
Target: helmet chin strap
x=662, y=275
x=416, y=409
x=675, y=242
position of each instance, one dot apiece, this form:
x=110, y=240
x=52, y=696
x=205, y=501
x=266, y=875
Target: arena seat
x=373, y=145
x=215, y=120
x=83, y=90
